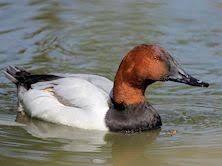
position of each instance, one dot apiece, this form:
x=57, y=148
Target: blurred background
x=74, y=36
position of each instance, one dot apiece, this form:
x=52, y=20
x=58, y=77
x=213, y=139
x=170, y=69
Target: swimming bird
x=94, y=102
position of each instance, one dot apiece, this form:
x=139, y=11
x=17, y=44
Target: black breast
x=132, y=118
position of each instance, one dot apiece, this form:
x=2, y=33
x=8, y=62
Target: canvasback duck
x=94, y=102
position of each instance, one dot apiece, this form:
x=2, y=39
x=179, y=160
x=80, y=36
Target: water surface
x=92, y=37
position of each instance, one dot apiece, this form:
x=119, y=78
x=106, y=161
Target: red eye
x=156, y=58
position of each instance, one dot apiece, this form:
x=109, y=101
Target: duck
x=90, y=101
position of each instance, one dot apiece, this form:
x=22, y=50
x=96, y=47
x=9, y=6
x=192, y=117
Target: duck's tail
x=20, y=77
x=16, y=74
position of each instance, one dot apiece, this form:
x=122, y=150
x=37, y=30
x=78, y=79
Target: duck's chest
x=132, y=118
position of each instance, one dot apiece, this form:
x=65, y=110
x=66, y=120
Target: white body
x=78, y=100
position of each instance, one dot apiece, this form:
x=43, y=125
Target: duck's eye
x=156, y=58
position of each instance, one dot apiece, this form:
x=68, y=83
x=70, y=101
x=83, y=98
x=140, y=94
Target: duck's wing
x=78, y=92
x=70, y=100
x=72, y=86
x=101, y=82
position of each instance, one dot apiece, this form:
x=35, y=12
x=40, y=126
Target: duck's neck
x=125, y=94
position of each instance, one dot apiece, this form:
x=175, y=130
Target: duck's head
x=144, y=65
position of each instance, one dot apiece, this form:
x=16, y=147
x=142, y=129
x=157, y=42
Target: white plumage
x=78, y=100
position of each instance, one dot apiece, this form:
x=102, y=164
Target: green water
x=92, y=37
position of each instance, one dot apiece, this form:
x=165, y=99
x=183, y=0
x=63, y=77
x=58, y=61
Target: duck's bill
x=177, y=74
x=185, y=78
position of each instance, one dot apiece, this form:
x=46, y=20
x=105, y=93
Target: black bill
x=188, y=79
x=177, y=74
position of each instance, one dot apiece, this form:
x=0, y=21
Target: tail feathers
x=15, y=74
x=10, y=77
x=20, y=77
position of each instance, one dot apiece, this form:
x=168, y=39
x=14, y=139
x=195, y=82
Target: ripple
x=92, y=37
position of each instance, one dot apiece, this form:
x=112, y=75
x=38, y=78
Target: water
x=92, y=37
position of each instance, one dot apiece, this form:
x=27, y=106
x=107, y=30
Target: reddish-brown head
x=142, y=66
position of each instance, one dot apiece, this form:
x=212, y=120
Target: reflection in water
x=79, y=140
x=121, y=149
x=130, y=149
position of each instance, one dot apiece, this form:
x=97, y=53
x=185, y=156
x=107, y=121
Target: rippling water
x=92, y=37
